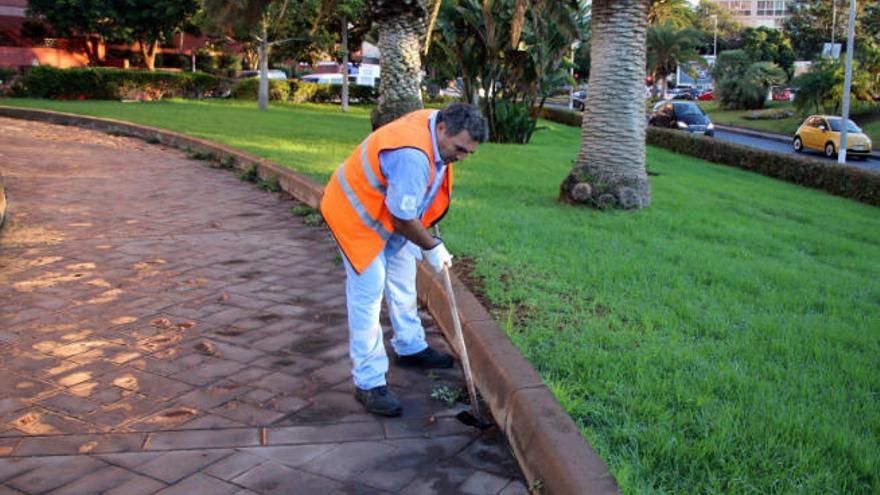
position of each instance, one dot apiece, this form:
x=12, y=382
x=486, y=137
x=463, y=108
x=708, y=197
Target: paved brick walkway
x=166, y=328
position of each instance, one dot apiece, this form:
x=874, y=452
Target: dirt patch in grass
x=466, y=270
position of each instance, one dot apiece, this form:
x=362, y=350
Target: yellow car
x=822, y=133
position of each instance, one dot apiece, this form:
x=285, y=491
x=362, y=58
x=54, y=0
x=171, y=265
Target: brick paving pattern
x=167, y=328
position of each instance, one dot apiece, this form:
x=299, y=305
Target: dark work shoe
x=378, y=400
x=428, y=358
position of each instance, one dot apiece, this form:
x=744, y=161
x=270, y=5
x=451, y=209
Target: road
x=771, y=144
x=785, y=147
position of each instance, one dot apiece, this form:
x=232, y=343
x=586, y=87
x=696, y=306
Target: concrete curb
x=545, y=440
x=782, y=138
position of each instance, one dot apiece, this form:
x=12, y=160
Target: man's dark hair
x=464, y=117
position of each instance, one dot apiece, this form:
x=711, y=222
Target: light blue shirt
x=407, y=172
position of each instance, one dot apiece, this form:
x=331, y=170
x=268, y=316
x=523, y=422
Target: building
x=756, y=13
x=19, y=49
x=24, y=43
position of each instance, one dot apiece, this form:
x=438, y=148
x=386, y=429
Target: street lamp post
x=715, y=37
x=833, y=23
x=847, y=82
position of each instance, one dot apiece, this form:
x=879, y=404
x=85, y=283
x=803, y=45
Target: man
x=379, y=204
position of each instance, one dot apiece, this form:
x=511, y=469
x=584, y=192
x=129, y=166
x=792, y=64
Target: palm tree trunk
x=610, y=168
x=400, y=41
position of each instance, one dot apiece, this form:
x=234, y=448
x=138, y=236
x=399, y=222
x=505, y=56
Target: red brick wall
x=14, y=56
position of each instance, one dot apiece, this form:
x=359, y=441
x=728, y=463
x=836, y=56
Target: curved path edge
x=2, y=202
x=547, y=444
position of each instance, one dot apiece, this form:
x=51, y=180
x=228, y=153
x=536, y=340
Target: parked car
x=707, y=95
x=273, y=74
x=326, y=78
x=687, y=94
x=778, y=93
x=822, y=133
x=682, y=115
x=579, y=100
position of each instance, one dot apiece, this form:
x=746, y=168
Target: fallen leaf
x=206, y=348
x=87, y=447
x=161, y=323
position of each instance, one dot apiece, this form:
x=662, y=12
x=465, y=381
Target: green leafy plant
x=513, y=124
x=271, y=184
x=302, y=210
x=313, y=219
x=447, y=394
x=249, y=174
x=201, y=155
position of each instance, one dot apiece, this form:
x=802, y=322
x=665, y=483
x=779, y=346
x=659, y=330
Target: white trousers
x=394, y=273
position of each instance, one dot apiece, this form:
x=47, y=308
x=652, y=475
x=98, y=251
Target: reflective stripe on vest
x=359, y=207
x=368, y=170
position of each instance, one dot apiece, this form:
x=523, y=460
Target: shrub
x=738, y=93
x=769, y=114
x=6, y=74
x=821, y=88
x=228, y=64
x=562, y=115
x=513, y=124
x=748, y=90
x=303, y=92
x=102, y=83
x=850, y=182
x=730, y=64
x=248, y=89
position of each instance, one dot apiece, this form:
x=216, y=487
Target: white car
x=329, y=78
x=273, y=74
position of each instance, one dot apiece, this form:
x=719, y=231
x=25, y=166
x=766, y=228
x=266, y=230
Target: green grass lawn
x=866, y=116
x=724, y=340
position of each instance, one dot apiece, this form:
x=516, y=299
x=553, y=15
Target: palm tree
x=402, y=29
x=609, y=171
x=669, y=47
x=677, y=12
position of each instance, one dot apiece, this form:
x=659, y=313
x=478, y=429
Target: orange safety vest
x=354, y=200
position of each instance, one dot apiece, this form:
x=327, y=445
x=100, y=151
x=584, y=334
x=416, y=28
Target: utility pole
x=344, y=63
x=847, y=82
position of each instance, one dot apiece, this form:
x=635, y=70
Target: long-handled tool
x=474, y=418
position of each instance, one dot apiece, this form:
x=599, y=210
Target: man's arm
x=414, y=232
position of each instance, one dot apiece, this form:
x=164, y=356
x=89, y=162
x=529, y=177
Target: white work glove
x=438, y=256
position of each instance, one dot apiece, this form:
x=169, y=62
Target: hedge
x=562, y=116
x=324, y=93
x=248, y=89
x=841, y=180
x=101, y=83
